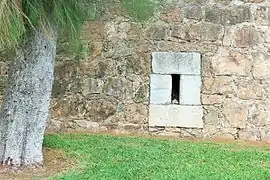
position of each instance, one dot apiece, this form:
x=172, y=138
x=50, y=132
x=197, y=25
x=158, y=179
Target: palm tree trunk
x=25, y=108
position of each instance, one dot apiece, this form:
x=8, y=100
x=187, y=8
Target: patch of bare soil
x=55, y=161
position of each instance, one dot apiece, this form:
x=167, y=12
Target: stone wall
x=109, y=91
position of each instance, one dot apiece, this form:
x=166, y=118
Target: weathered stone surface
x=259, y=115
x=249, y=89
x=265, y=134
x=193, y=11
x=157, y=32
x=225, y=2
x=202, y=47
x=209, y=130
x=242, y=37
x=176, y=115
x=141, y=93
x=92, y=86
x=218, y=85
x=255, y=1
x=160, y=89
x=199, y=31
x=54, y=125
x=116, y=30
x=250, y=134
x=190, y=90
x=135, y=64
x=261, y=15
x=246, y=37
x=212, y=99
x=117, y=48
x=201, y=2
x=114, y=87
x=227, y=16
x=211, y=117
x=61, y=107
x=236, y=112
x=99, y=68
x=87, y=124
x=191, y=132
x=230, y=62
x=111, y=87
x=172, y=15
x=136, y=113
x=261, y=65
x=98, y=110
x=176, y=63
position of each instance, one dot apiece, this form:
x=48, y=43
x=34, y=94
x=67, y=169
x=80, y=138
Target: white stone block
x=190, y=90
x=176, y=115
x=176, y=63
x=160, y=89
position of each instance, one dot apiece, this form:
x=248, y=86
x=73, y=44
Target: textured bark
x=25, y=108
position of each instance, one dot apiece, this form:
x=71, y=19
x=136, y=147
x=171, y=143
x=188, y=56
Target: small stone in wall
x=199, y=31
x=212, y=99
x=261, y=65
x=219, y=85
x=117, y=30
x=230, y=62
x=249, y=89
x=259, y=114
x=99, y=110
x=265, y=134
x=224, y=2
x=172, y=15
x=92, y=86
x=54, y=125
x=235, y=112
x=87, y=124
x=252, y=134
x=114, y=87
x=260, y=15
x=242, y=37
x=157, y=32
x=136, y=113
x=193, y=11
x=246, y=37
x=211, y=117
x=227, y=16
x=141, y=94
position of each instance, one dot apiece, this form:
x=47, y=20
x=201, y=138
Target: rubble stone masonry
x=110, y=89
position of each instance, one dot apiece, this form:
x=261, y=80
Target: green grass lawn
x=110, y=157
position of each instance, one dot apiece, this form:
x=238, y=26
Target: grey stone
x=160, y=89
x=176, y=63
x=193, y=11
x=227, y=16
x=176, y=115
x=251, y=134
x=190, y=90
x=86, y=124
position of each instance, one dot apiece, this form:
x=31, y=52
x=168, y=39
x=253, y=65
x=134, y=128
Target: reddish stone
x=173, y=15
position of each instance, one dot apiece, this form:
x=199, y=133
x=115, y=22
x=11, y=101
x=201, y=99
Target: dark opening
x=175, y=89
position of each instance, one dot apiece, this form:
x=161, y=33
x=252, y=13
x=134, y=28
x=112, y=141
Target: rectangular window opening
x=175, y=96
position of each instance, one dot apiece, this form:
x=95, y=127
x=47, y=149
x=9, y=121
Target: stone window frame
x=188, y=112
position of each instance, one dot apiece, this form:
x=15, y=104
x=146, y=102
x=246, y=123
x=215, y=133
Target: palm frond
x=18, y=16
